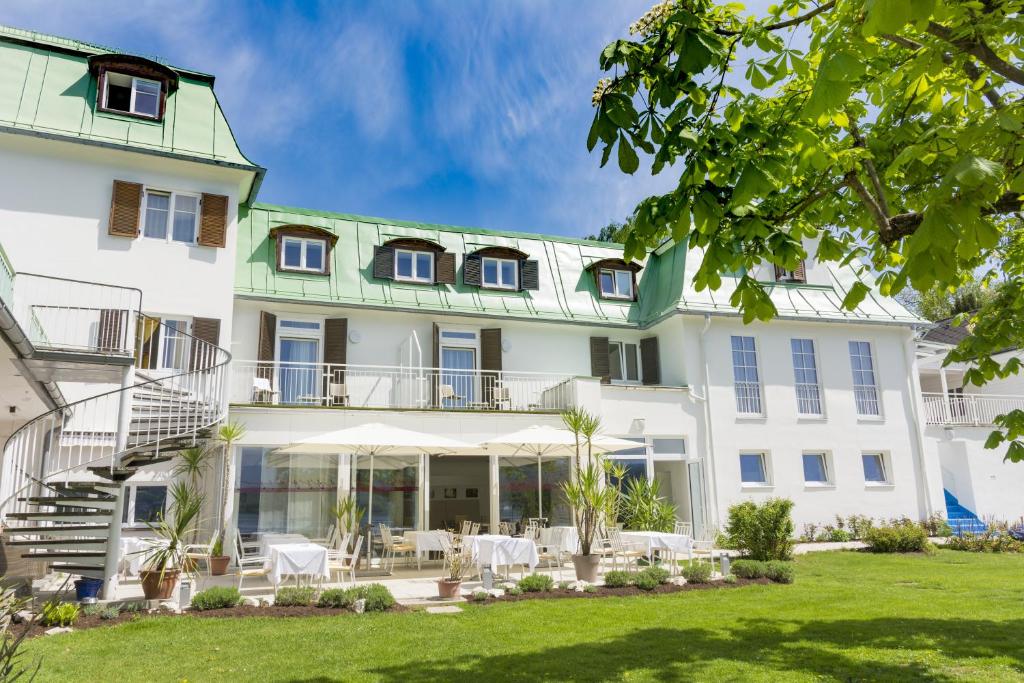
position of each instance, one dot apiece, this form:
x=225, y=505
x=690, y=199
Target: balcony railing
x=395, y=387
x=968, y=409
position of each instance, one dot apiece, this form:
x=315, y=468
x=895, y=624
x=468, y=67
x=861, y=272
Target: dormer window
x=131, y=95
x=414, y=266
x=797, y=275
x=303, y=249
x=616, y=284
x=499, y=273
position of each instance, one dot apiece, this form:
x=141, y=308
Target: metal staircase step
x=65, y=555
x=90, y=570
x=104, y=503
x=62, y=530
x=143, y=459
x=58, y=516
x=59, y=543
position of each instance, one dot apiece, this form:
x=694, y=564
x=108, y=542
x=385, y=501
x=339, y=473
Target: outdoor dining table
x=293, y=555
x=564, y=539
x=269, y=539
x=493, y=550
x=426, y=542
x=654, y=541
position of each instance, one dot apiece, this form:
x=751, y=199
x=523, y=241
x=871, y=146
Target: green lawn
x=849, y=616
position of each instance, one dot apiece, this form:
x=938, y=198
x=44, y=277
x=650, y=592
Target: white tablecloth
x=563, y=538
x=298, y=559
x=494, y=551
x=267, y=540
x=659, y=540
x=426, y=541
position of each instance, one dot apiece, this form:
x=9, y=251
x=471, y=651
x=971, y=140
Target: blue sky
x=469, y=112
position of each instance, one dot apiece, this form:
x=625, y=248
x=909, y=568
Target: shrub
x=218, y=597
x=697, y=572
x=294, y=596
x=131, y=607
x=590, y=588
x=60, y=614
x=335, y=598
x=779, y=572
x=991, y=541
x=480, y=596
x=106, y=612
x=514, y=590
x=936, y=525
x=646, y=582
x=731, y=578
x=748, y=569
x=858, y=525
x=900, y=536
x=377, y=596
x=617, y=579
x=660, y=574
x=564, y=585
x=764, y=532
x=536, y=583
x=839, y=536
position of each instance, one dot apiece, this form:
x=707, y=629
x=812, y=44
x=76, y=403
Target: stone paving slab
x=444, y=609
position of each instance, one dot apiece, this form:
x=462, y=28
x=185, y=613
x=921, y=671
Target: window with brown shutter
x=797, y=275
x=206, y=337
x=435, y=360
x=444, y=269
x=335, y=357
x=599, y=365
x=471, y=269
x=650, y=361
x=490, y=366
x=265, y=349
x=529, y=275
x=213, y=221
x=125, y=209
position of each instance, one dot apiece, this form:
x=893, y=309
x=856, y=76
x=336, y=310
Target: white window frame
x=498, y=262
x=415, y=277
x=826, y=462
x=134, y=87
x=766, y=465
x=303, y=255
x=674, y=456
x=185, y=340
x=883, y=459
x=129, y=503
x=171, y=208
x=746, y=399
x=875, y=393
x=621, y=344
x=616, y=293
x=815, y=387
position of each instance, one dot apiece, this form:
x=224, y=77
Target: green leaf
x=593, y=136
x=694, y=56
x=856, y=295
x=628, y=159
x=753, y=183
x=886, y=16
x=973, y=171
x=619, y=109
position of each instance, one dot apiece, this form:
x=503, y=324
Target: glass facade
x=292, y=493
x=525, y=491
x=394, y=496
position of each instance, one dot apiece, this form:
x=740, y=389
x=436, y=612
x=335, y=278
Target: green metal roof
x=46, y=89
x=567, y=290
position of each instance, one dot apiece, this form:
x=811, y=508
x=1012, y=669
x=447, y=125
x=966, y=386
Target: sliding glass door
x=458, y=377
x=298, y=376
x=526, y=490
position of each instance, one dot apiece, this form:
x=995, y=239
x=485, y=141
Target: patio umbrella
x=378, y=439
x=549, y=441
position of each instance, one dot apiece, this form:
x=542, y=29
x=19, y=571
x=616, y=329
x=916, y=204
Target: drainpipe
x=710, y=482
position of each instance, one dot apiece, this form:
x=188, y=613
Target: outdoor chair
x=263, y=391
x=704, y=546
x=474, y=530
x=392, y=547
x=467, y=526
x=336, y=550
x=446, y=392
x=501, y=398
x=202, y=553
x=683, y=528
x=629, y=553
x=346, y=563
x=251, y=565
x=551, y=553
x=337, y=394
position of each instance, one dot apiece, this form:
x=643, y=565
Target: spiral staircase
x=63, y=473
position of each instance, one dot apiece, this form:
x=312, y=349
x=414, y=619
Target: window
x=143, y=504
x=302, y=253
x=753, y=469
x=674, y=447
x=132, y=95
x=805, y=371
x=414, y=266
x=624, y=361
x=865, y=390
x=874, y=468
x=178, y=211
x=816, y=469
x=616, y=284
x=746, y=379
x=174, y=355
x=299, y=373
x=500, y=273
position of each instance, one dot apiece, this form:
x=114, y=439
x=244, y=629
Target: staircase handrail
x=210, y=359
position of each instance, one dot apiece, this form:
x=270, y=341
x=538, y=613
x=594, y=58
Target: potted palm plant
x=457, y=558
x=165, y=559
x=589, y=498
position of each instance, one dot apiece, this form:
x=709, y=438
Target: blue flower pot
x=87, y=588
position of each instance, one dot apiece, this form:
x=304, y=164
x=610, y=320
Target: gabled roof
x=46, y=90
x=947, y=332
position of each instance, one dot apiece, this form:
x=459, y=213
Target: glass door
x=695, y=474
x=458, y=377
x=298, y=378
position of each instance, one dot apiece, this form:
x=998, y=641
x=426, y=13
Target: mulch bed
x=602, y=592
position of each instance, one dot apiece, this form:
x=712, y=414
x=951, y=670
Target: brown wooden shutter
x=529, y=275
x=435, y=361
x=599, y=365
x=384, y=263
x=265, y=349
x=204, y=330
x=490, y=363
x=335, y=353
x=472, y=270
x=112, y=330
x=800, y=274
x=651, y=360
x=213, y=221
x=125, y=209
x=444, y=268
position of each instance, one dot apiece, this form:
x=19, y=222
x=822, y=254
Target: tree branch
x=972, y=71
x=869, y=166
x=980, y=49
x=873, y=208
x=905, y=224
x=789, y=22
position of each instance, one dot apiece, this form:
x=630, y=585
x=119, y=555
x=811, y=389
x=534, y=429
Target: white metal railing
x=74, y=315
x=385, y=386
x=968, y=409
x=748, y=398
x=56, y=445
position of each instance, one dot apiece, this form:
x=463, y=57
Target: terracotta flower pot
x=586, y=567
x=448, y=589
x=155, y=587
x=219, y=565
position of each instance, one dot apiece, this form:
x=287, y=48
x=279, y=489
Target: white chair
x=704, y=546
x=683, y=529
x=337, y=394
x=392, y=547
x=196, y=552
x=346, y=562
x=501, y=399
x=446, y=392
x=467, y=526
x=474, y=529
x=262, y=388
x=249, y=565
x=629, y=553
x=550, y=551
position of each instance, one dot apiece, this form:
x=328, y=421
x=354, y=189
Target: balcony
x=968, y=409
x=398, y=388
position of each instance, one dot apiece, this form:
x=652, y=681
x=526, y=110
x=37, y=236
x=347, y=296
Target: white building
x=118, y=170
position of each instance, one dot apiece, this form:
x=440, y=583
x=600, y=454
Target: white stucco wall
x=979, y=477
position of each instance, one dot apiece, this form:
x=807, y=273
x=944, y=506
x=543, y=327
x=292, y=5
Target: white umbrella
x=542, y=440
x=378, y=439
